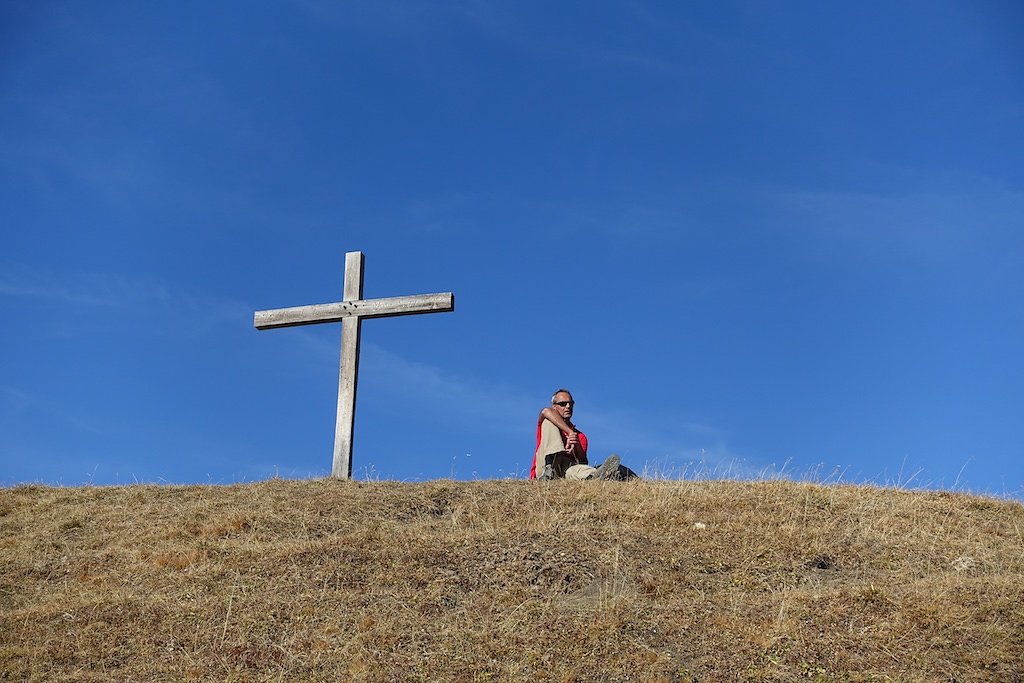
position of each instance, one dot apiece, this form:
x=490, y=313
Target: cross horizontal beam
x=364, y=308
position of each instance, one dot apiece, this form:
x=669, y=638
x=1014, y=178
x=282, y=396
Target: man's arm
x=552, y=416
x=572, y=444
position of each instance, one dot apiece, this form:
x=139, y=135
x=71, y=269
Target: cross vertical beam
x=350, y=312
x=348, y=374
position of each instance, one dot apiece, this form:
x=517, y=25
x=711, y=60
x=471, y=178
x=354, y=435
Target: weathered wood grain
x=339, y=311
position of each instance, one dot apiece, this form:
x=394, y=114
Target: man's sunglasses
x=563, y=403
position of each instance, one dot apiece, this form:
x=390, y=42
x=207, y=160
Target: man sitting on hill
x=562, y=449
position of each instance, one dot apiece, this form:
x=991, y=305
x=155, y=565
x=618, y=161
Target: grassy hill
x=509, y=580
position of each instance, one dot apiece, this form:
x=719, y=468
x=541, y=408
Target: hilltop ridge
x=510, y=580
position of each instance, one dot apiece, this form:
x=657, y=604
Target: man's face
x=563, y=403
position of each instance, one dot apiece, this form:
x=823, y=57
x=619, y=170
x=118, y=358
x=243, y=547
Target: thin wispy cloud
x=73, y=134
x=15, y=398
x=531, y=36
x=17, y=403
x=115, y=291
x=423, y=384
x=437, y=391
x=654, y=218
x=104, y=290
x=930, y=219
x=926, y=225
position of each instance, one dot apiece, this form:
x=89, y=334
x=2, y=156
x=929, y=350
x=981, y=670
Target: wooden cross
x=351, y=312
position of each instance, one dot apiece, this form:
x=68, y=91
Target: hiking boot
x=609, y=469
x=547, y=475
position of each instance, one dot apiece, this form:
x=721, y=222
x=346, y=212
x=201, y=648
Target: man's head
x=562, y=401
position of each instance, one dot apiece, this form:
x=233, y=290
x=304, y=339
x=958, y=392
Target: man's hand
x=571, y=441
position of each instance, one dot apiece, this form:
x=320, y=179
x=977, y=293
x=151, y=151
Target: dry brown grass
x=509, y=580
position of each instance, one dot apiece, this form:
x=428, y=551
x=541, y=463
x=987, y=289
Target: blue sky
x=753, y=237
